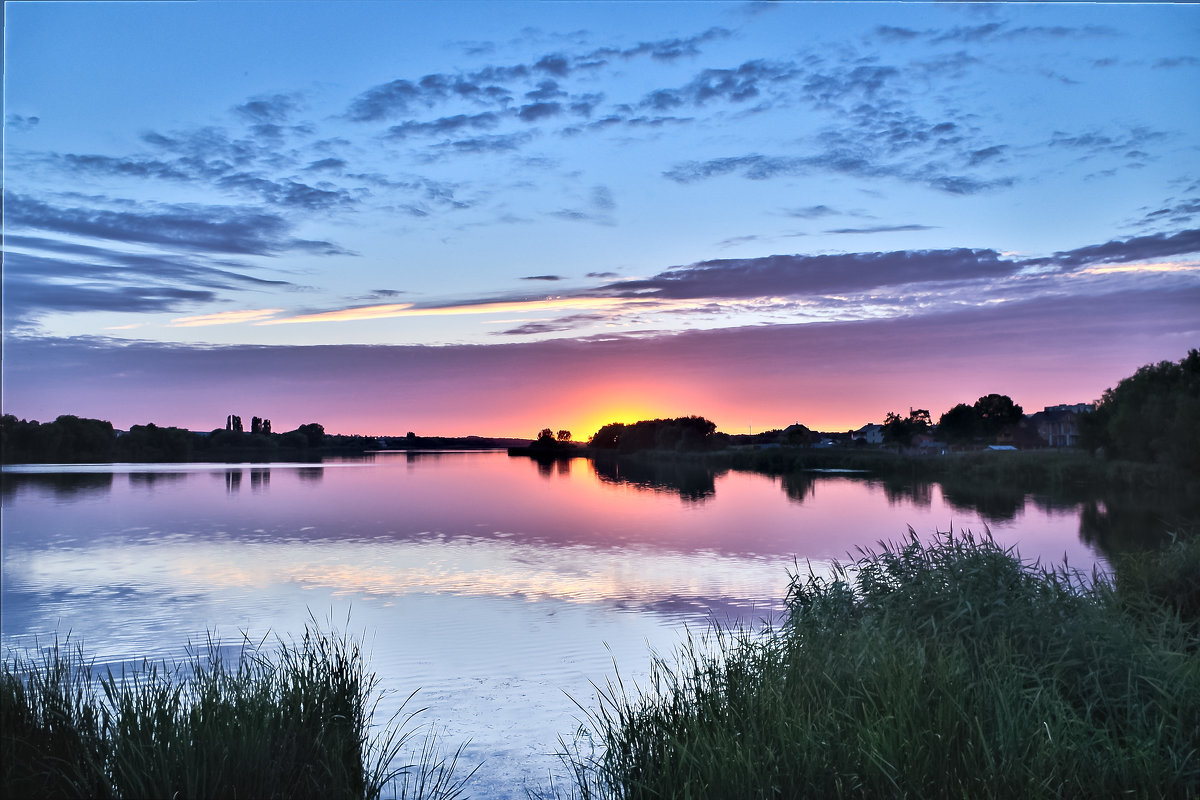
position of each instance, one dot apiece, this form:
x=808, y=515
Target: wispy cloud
x=884, y=229
x=225, y=318
x=196, y=228
x=390, y=310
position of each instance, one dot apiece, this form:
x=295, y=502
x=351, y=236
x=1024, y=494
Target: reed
x=296, y=722
x=949, y=669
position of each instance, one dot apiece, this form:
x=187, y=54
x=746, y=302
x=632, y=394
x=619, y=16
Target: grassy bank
x=942, y=670
x=293, y=723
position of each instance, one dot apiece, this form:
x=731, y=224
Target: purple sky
x=492, y=218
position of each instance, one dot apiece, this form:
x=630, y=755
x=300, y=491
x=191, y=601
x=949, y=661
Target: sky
x=490, y=218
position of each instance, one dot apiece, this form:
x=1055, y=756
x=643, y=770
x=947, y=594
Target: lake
x=501, y=588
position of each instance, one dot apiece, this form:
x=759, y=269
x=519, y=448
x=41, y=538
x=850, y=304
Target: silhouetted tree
x=1153, y=415
x=960, y=425
x=256, y=426
x=313, y=433
x=545, y=435
x=608, y=437
x=997, y=413
x=564, y=436
x=681, y=433
x=900, y=431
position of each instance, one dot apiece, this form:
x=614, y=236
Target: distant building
x=871, y=433
x=1059, y=425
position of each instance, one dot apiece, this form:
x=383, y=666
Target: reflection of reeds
x=949, y=669
x=296, y=723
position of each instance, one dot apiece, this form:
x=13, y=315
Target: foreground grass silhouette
x=941, y=670
x=296, y=723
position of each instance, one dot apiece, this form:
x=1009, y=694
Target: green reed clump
x=295, y=723
x=949, y=669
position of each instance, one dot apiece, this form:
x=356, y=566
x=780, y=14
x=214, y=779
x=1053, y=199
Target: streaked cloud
x=225, y=318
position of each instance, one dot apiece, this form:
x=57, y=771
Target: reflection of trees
x=898, y=491
x=691, y=481
x=149, y=480
x=994, y=502
x=63, y=485
x=799, y=486
x=310, y=474
x=260, y=479
x=1128, y=523
x=233, y=480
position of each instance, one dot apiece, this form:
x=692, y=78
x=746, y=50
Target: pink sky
x=829, y=376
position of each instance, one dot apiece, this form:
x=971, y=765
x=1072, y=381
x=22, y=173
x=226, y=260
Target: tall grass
x=293, y=723
x=949, y=669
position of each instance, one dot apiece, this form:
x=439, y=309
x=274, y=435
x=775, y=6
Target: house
x=1059, y=425
x=872, y=433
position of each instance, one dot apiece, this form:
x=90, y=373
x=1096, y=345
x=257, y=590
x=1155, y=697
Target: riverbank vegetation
x=940, y=670
x=295, y=723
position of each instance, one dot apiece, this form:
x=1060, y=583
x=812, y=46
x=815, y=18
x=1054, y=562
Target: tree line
x=71, y=439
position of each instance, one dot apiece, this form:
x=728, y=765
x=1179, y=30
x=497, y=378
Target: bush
x=949, y=670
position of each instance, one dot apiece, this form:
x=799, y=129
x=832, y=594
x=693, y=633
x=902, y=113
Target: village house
x=1059, y=425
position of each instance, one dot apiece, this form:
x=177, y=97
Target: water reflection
x=310, y=474
x=62, y=486
x=148, y=480
x=493, y=584
x=692, y=481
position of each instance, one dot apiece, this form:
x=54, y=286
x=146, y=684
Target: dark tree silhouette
x=564, y=436
x=960, y=425
x=681, y=433
x=997, y=414
x=1153, y=415
x=901, y=431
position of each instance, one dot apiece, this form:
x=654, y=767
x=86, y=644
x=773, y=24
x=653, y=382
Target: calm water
x=499, y=587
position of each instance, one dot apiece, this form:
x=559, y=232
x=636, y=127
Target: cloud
x=209, y=229
x=24, y=297
x=331, y=164
x=896, y=34
x=497, y=143
x=225, y=318
x=445, y=125
x=737, y=85
x=19, y=123
x=760, y=167
x=811, y=212
x=1176, y=213
x=789, y=275
x=536, y=111
x=567, y=323
x=268, y=109
x=287, y=193
x=1175, y=62
x=391, y=310
x=884, y=229
x=1001, y=31
x=43, y=275
x=124, y=167
x=1139, y=248
x=542, y=278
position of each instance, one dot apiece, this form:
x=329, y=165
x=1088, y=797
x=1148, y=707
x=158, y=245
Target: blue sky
x=184, y=176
